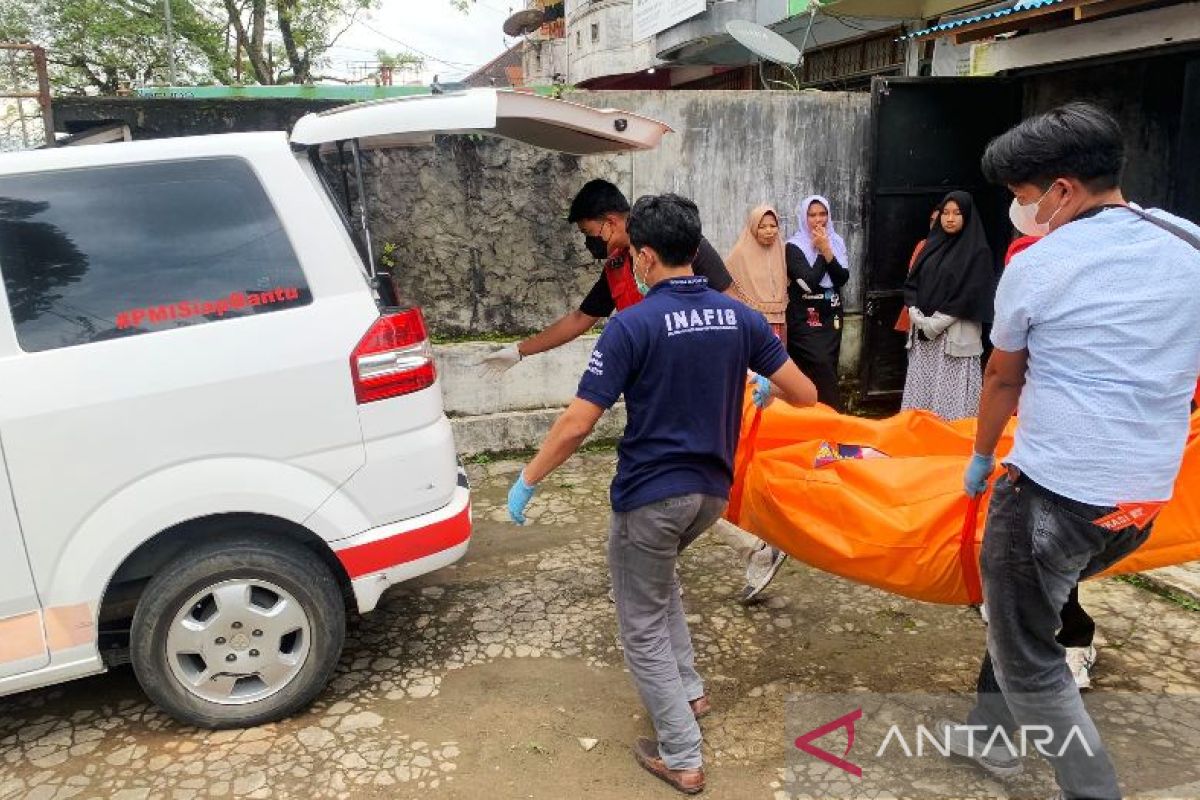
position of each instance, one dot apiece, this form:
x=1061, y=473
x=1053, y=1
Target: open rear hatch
x=539, y=121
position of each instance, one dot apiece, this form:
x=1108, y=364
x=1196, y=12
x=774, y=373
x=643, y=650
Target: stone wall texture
x=479, y=225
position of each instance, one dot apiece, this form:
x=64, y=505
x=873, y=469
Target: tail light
x=393, y=358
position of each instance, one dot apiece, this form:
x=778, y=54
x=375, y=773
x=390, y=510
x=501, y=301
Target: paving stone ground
x=480, y=680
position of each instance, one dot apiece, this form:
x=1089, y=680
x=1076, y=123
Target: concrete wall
x=547, y=380
x=516, y=410
x=478, y=224
x=733, y=150
x=159, y=118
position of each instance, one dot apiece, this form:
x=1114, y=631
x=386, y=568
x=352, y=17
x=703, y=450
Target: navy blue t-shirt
x=680, y=358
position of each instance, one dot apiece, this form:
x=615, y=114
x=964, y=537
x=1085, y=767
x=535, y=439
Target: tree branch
x=80, y=63
x=349, y=25
x=283, y=8
x=261, y=74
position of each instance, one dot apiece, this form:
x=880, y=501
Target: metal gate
x=927, y=137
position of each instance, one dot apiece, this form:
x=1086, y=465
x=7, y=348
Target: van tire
x=249, y=558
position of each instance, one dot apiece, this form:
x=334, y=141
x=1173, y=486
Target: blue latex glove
x=761, y=394
x=979, y=472
x=518, y=497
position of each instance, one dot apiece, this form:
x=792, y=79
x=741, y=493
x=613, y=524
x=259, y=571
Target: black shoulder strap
x=1169, y=227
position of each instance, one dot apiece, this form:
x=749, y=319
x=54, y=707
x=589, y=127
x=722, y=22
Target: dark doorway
x=1156, y=98
x=928, y=136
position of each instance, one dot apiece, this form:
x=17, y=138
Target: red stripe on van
x=407, y=546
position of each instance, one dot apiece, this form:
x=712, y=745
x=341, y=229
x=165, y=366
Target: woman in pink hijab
x=817, y=267
x=757, y=266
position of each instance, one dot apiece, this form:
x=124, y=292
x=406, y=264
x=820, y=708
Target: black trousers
x=816, y=352
x=1078, y=627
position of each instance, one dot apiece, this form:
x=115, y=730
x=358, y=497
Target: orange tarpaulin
x=881, y=502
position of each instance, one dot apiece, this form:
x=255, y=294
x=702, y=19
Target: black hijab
x=954, y=273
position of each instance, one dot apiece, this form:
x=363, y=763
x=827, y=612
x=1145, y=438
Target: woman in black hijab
x=949, y=296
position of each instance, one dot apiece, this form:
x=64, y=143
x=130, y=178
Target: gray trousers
x=643, y=545
x=1037, y=548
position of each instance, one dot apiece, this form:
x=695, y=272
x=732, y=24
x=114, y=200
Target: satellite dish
x=763, y=42
x=524, y=22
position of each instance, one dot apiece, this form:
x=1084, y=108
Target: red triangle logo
x=805, y=742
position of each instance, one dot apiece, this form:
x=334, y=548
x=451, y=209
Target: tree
x=95, y=46
x=390, y=63
x=307, y=29
x=98, y=45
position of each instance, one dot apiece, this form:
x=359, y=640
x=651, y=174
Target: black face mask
x=596, y=246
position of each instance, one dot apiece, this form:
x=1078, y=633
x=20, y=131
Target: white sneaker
x=761, y=570
x=998, y=760
x=1081, y=660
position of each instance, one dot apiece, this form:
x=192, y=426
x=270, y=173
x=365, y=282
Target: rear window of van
x=102, y=253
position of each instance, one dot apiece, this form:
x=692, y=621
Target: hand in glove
x=979, y=473
x=500, y=361
x=518, y=497
x=761, y=394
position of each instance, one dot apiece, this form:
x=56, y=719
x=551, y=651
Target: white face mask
x=642, y=286
x=1024, y=218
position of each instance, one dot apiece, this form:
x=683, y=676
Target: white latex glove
x=500, y=361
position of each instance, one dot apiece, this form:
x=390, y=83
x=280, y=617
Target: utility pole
x=170, y=43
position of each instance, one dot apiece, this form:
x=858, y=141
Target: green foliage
x=399, y=60
x=100, y=46
x=387, y=256
x=1181, y=599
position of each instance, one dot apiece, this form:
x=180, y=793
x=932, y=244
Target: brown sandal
x=688, y=781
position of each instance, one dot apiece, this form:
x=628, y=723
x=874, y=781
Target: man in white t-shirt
x=1097, y=339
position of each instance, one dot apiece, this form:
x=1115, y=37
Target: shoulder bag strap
x=1169, y=227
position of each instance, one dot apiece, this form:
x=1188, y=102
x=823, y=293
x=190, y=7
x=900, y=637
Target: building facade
x=683, y=44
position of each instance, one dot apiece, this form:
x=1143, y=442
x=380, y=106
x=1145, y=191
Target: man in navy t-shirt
x=680, y=359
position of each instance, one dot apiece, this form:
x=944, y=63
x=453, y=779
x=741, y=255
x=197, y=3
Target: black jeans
x=1037, y=548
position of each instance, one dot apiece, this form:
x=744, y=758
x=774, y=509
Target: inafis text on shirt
x=698, y=320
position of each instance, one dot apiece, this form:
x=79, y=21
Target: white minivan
x=219, y=426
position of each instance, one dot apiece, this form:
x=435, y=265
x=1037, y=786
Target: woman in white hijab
x=817, y=267
x=757, y=266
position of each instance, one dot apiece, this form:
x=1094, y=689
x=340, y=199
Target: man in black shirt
x=600, y=211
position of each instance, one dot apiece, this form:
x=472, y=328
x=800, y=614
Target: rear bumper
x=387, y=555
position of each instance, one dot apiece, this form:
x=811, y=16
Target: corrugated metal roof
x=1019, y=5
